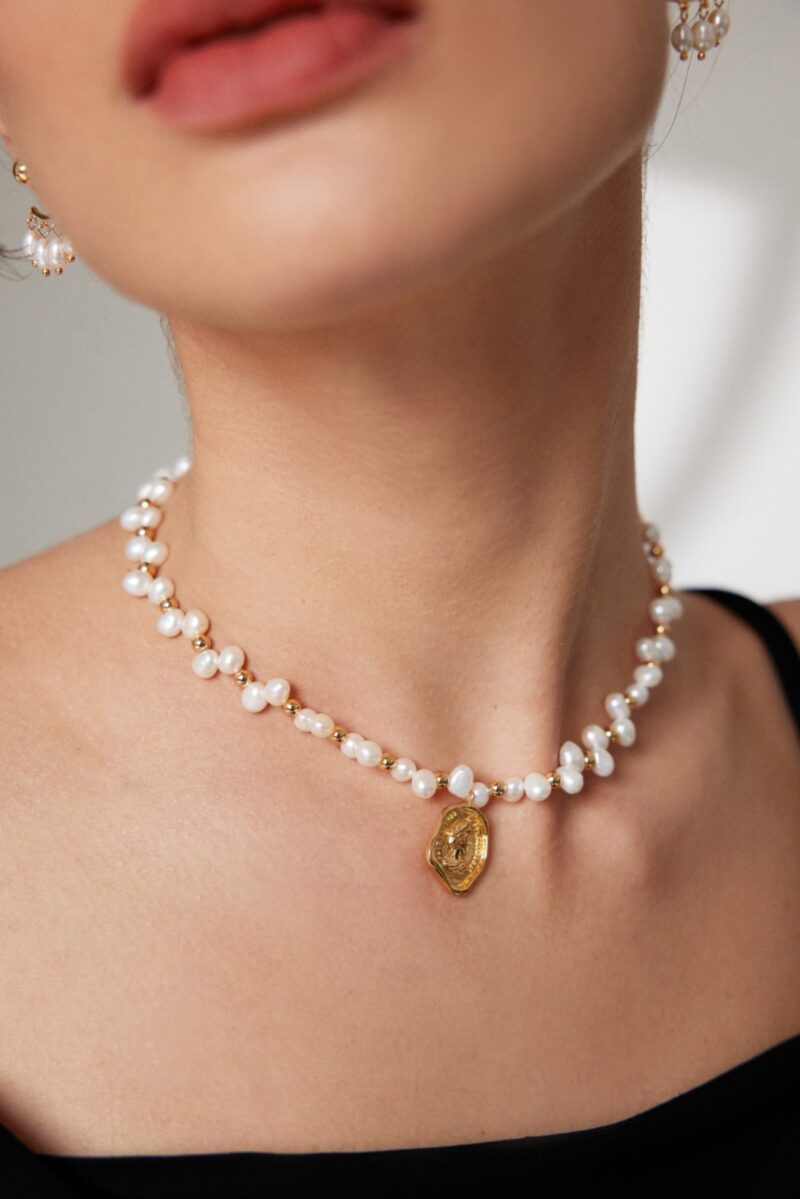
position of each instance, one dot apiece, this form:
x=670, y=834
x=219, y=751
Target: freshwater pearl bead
x=480, y=795
x=603, y=763
x=350, y=744
x=624, y=731
x=368, y=753
x=681, y=39
x=156, y=552
x=135, y=548
x=665, y=609
x=29, y=243
x=161, y=588
x=571, y=779
x=665, y=648
x=594, y=736
x=55, y=253
x=160, y=490
x=515, y=789
x=423, y=784
x=231, y=659
x=131, y=518
x=181, y=466
x=254, y=697
x=150, y=518
x=136, y=582
x=721, y=21
x=645, y=649
x=703, y=35
x=537, y=786
x=278, y=691
x=663, y=569
x=571, y=754
x=649, y=675
x=321, y=725
x=303, y=718
x=404, y=770
x=195, y=623
x=638, y=692
x=169, y=622
x=204, y=664
x=460, y=781
x=615, y=704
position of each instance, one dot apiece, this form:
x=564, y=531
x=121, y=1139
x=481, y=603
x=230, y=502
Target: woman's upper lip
x=160, y=28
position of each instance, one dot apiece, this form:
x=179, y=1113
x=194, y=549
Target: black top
x=737, y=1134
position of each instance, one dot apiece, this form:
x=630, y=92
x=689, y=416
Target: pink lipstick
x=209, y=65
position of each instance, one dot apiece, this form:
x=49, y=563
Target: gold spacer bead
x=148, y=533
x=662, y=628
x=46, y=271
x=553, y=779
x=442, y=779
x=201, y=643
x=339, y=732
x=144, y=504
x=610, y=734
x=147, y=568
x=243, y=677
x=292, y=706
x=588, y=759
x=656, y=549
x=701, y=54
x=59, y=270
x=497, y=789
x=665, y=589
x=631, y=702
x=170, y=602
x=70, y=257
x=387, y=762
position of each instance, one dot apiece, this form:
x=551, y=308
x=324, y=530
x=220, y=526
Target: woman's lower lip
x=232, y=80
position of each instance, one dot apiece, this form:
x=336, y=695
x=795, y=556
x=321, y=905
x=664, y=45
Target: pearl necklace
x=458, y=849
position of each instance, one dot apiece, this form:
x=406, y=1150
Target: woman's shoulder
x=42, y=592
x=788, y=612
x=57, y=562
x=732, y=621
x=62, y=630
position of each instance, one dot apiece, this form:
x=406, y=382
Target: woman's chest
x=174, y=990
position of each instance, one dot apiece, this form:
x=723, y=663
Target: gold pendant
x=458, y=849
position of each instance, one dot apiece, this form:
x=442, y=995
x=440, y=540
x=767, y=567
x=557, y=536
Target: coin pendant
x=458, y=849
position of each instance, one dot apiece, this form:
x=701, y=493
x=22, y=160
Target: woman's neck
x=425, y=517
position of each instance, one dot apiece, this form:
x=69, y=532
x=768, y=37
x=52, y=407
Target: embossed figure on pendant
x=459, y=847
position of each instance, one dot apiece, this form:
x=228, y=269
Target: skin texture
x=412, y=387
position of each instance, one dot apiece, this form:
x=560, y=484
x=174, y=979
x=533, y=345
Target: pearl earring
x=705, y=32
x=43, y=243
